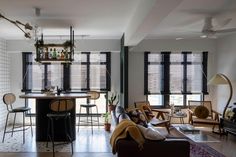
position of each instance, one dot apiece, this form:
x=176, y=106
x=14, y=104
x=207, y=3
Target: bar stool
x=60, y=110
x=94, y=95
x=9, y=99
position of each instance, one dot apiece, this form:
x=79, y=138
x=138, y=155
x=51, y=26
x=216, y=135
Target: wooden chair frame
x=212, y=119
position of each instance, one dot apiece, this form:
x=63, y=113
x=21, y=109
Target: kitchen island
x=42, y=109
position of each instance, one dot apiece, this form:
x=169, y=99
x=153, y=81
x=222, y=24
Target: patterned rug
x=203, y=150
x=196, y=149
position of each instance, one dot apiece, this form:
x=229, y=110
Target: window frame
x=66, y=81
x=165, y=77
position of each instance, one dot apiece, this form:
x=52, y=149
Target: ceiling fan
x=209, y=30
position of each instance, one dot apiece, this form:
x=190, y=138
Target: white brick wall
x=4, y=80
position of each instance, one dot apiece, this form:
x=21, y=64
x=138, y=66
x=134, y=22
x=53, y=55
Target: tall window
x=88, y=71
x=175, y=77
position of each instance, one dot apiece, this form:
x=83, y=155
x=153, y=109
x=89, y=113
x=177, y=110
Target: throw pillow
x=150, y=133
x=201, y=112
x=137, y=116
x=148, y=112
x=145, y=107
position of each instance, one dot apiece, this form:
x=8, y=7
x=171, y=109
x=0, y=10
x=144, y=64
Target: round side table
x=176, y=115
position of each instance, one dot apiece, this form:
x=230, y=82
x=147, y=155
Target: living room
x=155, y=26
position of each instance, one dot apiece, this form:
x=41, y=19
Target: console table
x=42, y=109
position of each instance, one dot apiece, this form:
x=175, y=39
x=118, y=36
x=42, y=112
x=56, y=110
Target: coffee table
x=195, y=134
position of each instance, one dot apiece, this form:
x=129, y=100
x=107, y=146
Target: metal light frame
x=18, y=23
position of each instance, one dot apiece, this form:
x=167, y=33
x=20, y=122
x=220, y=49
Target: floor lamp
x=221, y=79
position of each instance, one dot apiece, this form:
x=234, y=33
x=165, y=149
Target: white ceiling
x=138, y=19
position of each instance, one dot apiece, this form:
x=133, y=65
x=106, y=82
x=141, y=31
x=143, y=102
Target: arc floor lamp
x=221, y=79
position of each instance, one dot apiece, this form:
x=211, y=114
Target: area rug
x=203, y=150
x=196, y=149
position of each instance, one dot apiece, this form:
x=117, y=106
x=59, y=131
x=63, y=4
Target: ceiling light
x=17, y=23
x=179, y=38
x=203, y=36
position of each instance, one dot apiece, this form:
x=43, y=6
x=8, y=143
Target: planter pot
x=107, y=126
x=111, y=107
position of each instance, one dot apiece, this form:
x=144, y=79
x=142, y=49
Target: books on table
x=188, y=128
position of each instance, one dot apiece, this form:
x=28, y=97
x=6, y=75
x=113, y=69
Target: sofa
x=169, y=147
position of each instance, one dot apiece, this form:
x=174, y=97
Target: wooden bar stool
x=60, y=111
x=94, y=95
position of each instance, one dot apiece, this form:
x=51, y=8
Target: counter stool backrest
x=9, y=99
x=61, y=105
x=93, y=95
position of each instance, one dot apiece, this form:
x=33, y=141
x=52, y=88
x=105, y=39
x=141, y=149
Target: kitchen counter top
x=54, y=96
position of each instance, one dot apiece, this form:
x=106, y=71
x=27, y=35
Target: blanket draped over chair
x=122, y=130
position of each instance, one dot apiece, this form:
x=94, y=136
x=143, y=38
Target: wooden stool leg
x=167, y=126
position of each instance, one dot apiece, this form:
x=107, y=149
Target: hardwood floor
x=91, y=145
x=61, y=154
x=226, y=145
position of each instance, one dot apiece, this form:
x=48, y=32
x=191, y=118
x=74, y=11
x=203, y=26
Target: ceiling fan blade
x=226, y=30
x=222, y=23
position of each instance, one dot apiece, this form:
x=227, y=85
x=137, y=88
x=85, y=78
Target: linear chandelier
x=17, y=23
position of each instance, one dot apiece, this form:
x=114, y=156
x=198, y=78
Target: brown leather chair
x=211, y=119
x=153, y=115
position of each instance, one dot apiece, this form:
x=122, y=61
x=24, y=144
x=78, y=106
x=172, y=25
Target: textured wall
x=4, y=80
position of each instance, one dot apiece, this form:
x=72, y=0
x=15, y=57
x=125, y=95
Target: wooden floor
x=226, y=146
x=57, y=155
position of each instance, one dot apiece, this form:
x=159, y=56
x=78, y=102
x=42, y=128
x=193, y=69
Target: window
x=88, y=71
x=174, y=77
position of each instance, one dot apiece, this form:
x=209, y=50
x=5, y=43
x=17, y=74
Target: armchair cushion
x=201, y=112
x=205, y=121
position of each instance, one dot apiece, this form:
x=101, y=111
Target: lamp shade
x=221, y=79
x=218, y=79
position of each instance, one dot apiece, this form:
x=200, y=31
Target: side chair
x=212, y=118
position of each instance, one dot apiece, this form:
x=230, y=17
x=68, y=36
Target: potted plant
x=113, y=100
x=107, y=121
